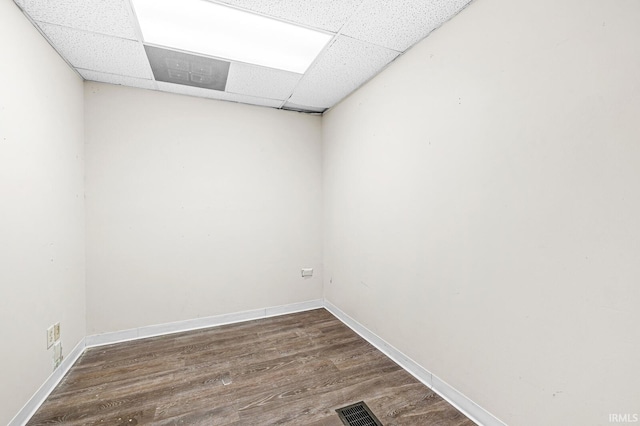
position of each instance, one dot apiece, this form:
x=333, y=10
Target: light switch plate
x=307, y=272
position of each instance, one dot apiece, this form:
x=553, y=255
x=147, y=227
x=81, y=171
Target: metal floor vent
x=357, y=414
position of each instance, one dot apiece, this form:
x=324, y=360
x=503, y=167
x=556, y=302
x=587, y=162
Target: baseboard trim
x=198, y=323
x=48, y=386
x=464, y=404
x=450, y=394
x=469, y=408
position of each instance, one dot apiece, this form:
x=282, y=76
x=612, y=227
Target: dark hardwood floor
x=288, y=370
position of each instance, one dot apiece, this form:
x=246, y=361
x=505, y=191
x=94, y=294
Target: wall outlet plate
x=307, y=272
x=57, y=355
x=50, y=337
x=56, y=331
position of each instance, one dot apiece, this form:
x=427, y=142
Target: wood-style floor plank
x=288, y=370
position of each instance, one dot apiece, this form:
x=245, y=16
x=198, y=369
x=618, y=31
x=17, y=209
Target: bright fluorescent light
x=208, y=28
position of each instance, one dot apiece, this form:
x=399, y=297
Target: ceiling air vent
x=187, y=69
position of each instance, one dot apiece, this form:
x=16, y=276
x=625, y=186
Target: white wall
x=197, y=207
x=481, y=205
x=41, y=207
x=482, y=198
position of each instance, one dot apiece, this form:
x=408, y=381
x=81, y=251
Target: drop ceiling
x=102, y=41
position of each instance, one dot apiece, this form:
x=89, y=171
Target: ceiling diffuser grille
x=187, y=69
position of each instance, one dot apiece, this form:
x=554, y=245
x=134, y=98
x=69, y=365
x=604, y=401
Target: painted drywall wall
x=41, y=207
x=197, y=207
x=482, y=198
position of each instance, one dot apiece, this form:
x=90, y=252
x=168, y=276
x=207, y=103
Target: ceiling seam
x=133, y=18
x=255, y=12
x=325, y=50
x=48, y=40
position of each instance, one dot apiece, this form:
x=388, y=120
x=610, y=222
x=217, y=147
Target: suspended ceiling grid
x=101, y=39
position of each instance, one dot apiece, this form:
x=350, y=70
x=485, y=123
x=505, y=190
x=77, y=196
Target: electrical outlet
x=50, y=337
x=57, y=354
x=307, y=272
x=56, y=331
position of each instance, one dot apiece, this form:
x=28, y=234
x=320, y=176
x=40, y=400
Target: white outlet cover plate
x=50, y=337
x=307, y=272
x=57, y=354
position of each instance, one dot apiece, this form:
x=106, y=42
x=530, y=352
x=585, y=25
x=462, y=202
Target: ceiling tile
x=341, y=69
x=398, y=24
x=273, y=103
x=100, y=39
x=111, y=17
x=117, y=79
x=99, y=52
x=259, y=81
x=215, y=94
x=329, y=15
x=305, y=108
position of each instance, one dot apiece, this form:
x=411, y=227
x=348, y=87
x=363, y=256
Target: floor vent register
x=357, y=414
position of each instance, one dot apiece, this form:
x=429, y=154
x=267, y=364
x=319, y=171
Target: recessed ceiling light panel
x=212, y=29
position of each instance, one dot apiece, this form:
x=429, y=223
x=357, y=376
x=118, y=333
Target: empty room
x=320, y=212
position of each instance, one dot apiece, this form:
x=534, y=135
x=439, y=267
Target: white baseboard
x=198, y=323
x=294, y=307
x=469, y=408
x=48, y=386
x=401, y=359
x=455, y=398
